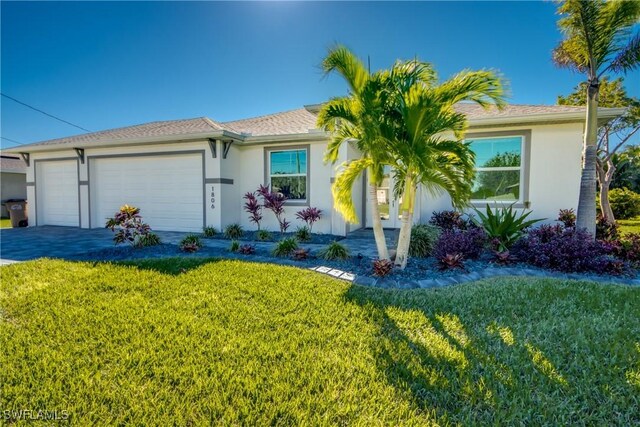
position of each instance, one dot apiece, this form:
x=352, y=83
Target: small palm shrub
x=504, y=226
x=190, y=243
x=567, y=217
x=449, y=220
x=382, y=267
x=303, y=234
x=233, y=231
x=334, y=251
x=451, y=261
x=263, y=235
x=247, y=249
x=149, y=239
x=469, y=243
x=235, y=246
x=625, y=204
x=300, y=254
x=209, y=231
x=423, y=239
x=285, y=247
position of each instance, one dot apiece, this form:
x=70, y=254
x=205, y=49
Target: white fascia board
x=150, y=140
x=603, y=113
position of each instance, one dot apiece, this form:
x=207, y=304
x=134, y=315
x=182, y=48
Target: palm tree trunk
x=378, y=232
x=404, y=239
x=586, y=218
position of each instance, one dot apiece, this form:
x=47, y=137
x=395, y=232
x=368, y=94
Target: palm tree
x=355, y=118
x=426, y=145
x=597, y=41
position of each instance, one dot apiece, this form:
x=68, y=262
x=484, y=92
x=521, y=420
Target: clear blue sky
x=106, y=65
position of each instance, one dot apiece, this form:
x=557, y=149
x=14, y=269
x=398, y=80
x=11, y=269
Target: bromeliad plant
x=129, y=227
x=504, y=226
x=309, y=216
x=190, y=243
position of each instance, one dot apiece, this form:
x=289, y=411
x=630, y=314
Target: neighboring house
x=186, y=174
x=13, y=180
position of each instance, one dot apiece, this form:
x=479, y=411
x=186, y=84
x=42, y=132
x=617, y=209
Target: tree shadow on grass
x=464, y=373
x=173, y=266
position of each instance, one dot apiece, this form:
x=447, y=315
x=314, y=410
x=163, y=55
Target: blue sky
x=106, y=65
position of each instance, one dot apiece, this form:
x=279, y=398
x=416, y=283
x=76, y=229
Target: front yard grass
x=197, y=341
x=629, y=225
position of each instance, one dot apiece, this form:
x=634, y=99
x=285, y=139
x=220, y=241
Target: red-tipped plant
x=450, y=261
x=382, y=267
x=309, y=216
x=275, y=203
x=253, y=208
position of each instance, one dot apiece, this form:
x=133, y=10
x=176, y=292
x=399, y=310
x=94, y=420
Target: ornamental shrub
x=629, y=249
x=423, y=239
x=303, y=234
x=253, y=208
x=129, y=227
x=309, y=216
x=334, y=251
x=469, y=243
x=625, y=204
x=233, y=231
x=568, y=250
x=567, y=217
x=190, y=243
x=504, y=226
x=449, y=220
x=209, y=231
x=285, y=247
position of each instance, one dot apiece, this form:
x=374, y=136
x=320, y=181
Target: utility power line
x=11, y=140
x=44, y=112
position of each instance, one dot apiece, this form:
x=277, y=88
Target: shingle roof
x=145, y=130
x=475, y=111
x=12, y=164
x=288, y=122
x=300, y=121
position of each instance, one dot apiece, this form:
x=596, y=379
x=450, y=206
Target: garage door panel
x=57, y=193
x=167, y=189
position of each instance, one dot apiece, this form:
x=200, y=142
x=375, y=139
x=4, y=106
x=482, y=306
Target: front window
x=498, y=169
x=288, y=173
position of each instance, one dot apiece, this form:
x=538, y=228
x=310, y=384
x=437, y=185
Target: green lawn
x=5, y=223
x=235, y=343
x=629, y=225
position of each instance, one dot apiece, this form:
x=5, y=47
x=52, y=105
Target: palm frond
x=349, y=66
x=342, y=188
x=628, y=58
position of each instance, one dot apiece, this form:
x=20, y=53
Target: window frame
x=525, y=157
x=267, y=170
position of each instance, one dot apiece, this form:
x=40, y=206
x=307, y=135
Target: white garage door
x=168, y=190
x=57, y=193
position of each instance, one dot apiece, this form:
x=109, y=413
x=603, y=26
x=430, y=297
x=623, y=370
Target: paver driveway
x=20, y=244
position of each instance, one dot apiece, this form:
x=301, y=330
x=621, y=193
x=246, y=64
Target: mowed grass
x=235, y=343
x=629, y=225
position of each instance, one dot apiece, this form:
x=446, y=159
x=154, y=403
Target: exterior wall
x=14, y=186
x=212, y=170
x=554, y=171
x=251, y=172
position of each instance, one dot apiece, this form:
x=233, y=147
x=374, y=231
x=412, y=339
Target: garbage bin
x=17, y=212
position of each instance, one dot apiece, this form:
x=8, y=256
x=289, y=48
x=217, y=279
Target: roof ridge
x=264, y=116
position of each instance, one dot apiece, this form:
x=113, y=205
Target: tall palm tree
x=355, y=118
x=597, y=40
x=427, y=144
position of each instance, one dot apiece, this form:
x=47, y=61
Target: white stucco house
x=187, y=174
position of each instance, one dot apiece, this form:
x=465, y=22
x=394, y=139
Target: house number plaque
x=213, y=197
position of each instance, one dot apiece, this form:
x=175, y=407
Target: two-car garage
x=168, y=188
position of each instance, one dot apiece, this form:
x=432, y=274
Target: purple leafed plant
x=468, y=243
x=128, y=226
x=253, y=208
x=275, y=203
x=567, y=249
x=309, y=216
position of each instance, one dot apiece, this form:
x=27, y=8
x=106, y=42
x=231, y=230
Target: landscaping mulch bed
x=417, y=268
x=252, y=236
